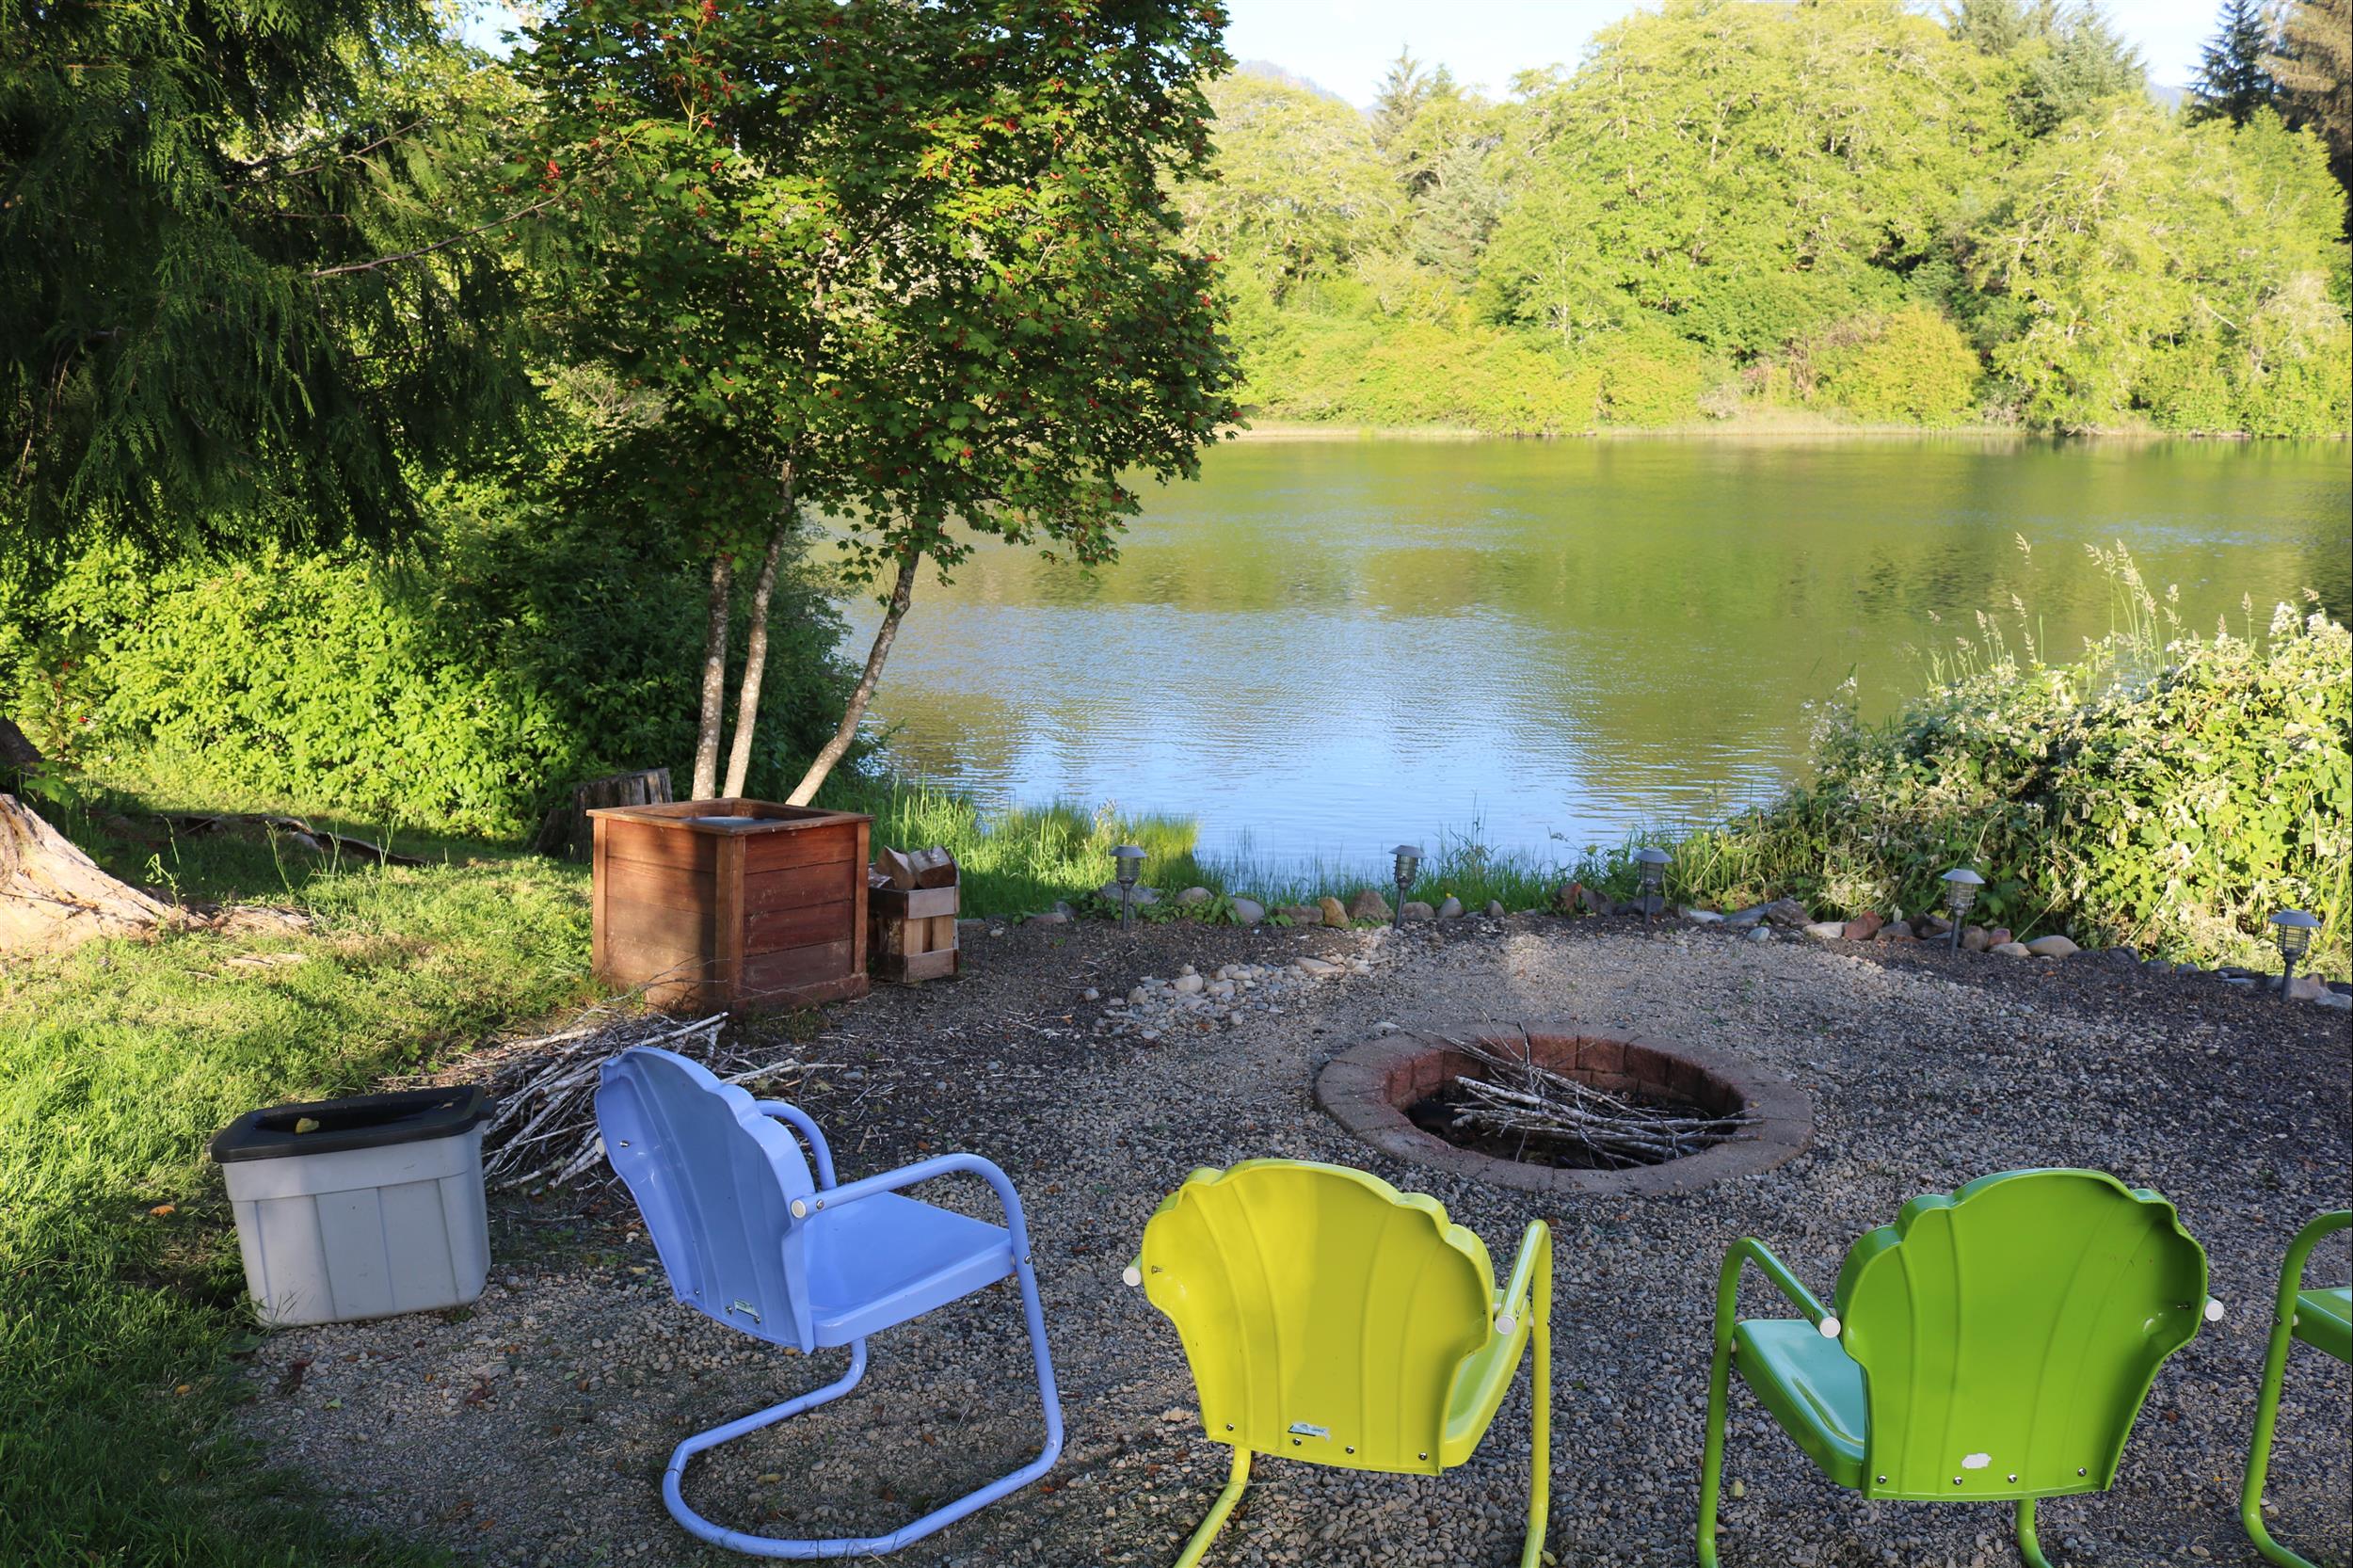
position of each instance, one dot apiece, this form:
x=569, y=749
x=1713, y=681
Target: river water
x=1323, y=646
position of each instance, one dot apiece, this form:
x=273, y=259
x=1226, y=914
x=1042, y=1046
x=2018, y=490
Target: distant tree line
x=1840, y=211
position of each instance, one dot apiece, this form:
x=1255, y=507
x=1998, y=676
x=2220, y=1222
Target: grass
x=120, y=1297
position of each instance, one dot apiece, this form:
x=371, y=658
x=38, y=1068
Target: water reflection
x=1325, y=644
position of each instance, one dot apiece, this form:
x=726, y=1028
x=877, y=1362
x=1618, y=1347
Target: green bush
x=462, y=685
x=1651, y=379
x=1911, y=366
x=2166, y=794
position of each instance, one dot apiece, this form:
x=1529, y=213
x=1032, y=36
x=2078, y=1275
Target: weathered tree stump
x=17, y=754
x=565, y=832
x=53, y=896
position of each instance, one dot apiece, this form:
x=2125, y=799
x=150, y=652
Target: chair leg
x=1208, y=1527
x=872, y=1545
x=1712, y=1456
x=2250, y=1495
x=2028, y=1546
x=1540, y=1423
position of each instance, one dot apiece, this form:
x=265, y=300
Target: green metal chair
x=2323, y=1319
x=1993, y=1345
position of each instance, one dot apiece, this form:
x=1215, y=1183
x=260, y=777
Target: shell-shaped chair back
x=1325, y=1313
x=2009, y=1333
x=715, y=1180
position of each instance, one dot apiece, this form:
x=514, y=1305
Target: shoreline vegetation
x=1799, y=429
x=1847, y=216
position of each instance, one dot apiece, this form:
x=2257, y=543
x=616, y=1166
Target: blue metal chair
x=748, y=1240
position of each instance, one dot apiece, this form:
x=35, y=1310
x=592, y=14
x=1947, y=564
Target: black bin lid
x=362, y=1122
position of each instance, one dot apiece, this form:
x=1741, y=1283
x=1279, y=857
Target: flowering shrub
x=2169, y=793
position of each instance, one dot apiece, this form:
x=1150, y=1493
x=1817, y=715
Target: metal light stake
x=2293, y=930
x=1126, y=861
x=1408, y=862
x=1650, y=861
x=1960, y=891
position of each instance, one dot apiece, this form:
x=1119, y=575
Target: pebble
x=2011, y=949
x=2052, y=947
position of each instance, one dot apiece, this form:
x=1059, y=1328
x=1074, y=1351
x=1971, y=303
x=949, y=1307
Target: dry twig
x=545, y=1127
x=1526, y=1097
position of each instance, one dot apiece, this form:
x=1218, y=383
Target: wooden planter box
x=741, y=904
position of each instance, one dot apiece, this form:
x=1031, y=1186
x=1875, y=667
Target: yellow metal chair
x=1330, y=1318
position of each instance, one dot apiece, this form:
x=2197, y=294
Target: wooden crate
x=912, y=933
x=741, y=904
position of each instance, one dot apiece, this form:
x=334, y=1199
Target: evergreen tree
x=2313, y=69
x=237, y=293
x=2233, y=80
x=1403, y=91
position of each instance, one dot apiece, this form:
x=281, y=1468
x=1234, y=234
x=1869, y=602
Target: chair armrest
x=2299, y=1254
x=1535, y=1254
x=1750, y=1250
x=807, y=1125
x=927, y=1170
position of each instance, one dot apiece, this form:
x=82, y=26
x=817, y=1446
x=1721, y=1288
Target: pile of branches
x=544, y=1132
x=1525, y=1099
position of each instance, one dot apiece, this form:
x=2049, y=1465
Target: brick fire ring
x=1368, y=1086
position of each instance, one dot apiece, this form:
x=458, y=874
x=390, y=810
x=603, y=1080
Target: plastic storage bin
x=360, y=1207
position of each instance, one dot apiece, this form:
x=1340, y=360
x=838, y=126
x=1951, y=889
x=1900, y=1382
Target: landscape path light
x=2293, y=930
x=1126, y=861
x=1652, y=863
x=1960, y=891
x=1408, y=862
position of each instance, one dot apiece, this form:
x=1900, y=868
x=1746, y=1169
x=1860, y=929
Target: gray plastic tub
x=360, y=1207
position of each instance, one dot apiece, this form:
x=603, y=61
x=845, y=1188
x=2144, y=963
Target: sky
x=1345, y=45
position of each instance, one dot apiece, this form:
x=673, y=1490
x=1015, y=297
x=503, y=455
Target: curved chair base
x=869, y=1546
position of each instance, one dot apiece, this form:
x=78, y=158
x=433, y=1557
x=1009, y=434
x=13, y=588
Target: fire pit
x=1555, y=1108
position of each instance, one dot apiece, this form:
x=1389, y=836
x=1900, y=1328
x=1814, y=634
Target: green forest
x=1842, y=210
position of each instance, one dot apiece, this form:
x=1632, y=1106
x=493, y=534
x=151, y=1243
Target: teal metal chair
x=2322, y=1319
x=1995, y=1345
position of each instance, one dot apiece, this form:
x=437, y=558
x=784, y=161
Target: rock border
x=1360, y=1088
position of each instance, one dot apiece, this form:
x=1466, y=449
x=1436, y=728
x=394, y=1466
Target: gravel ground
x=534, y=1427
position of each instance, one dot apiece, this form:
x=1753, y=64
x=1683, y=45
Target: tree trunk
x=718, y=612
x=52, y=895
x=16, y=752
x=838, y=746
x=756, y=645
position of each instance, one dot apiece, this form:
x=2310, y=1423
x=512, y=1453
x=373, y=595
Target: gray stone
x=1141, y=894
x=1194, y=895
x=1761, y=934
x=1973, y=939
x=1416, y=910
x=1746, y=917
x=2338, y=1000
x=1186, y=984
x=2010, y=950
x=2304, y=987
x=1368, y=905
x=2052, y=947
x=1705, y=916
x=1451, y=908
x=1827, y=931
x=1787, y=912
x=1495, y=909
x=1249, y=911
